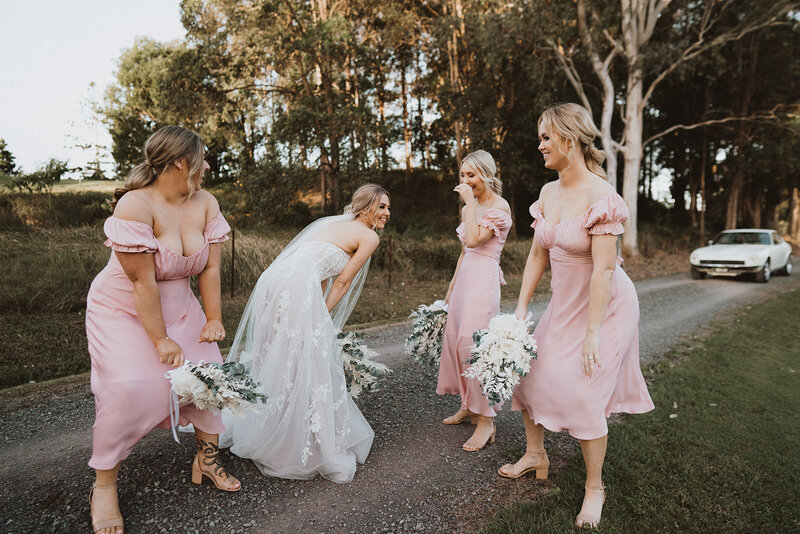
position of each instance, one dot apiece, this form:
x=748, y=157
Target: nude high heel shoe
x=110, y=522
x=585, y=521
x=215, y=476
x=542, y=468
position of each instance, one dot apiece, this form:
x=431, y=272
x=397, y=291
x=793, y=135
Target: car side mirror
x=710, y=242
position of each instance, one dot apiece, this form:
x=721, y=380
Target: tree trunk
x=324, y=170
x=703, y=192
x=755, y=209
x=384, y=157
x=734, y=208
x=423, y=134
x=794, y=216
x=455, y=77
x=633, y=159
x=406, y=127
x=601, y=70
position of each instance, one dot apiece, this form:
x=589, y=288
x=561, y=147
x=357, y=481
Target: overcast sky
x=50, y=53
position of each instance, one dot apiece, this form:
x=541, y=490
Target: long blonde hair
x=163, y=148
x=484, y=164
x=574, y=124
x=366, y=197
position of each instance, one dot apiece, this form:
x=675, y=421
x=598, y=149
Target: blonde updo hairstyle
x=484, y=165
x=166, y=146
x=365, y=201
x=574, y=124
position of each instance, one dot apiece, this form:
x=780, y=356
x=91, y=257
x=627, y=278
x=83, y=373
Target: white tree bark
x=639, y=18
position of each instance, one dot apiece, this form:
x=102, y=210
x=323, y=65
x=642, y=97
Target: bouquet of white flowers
x=360, y=371
x=214, y=386
x=501, y=355
x=425, y=341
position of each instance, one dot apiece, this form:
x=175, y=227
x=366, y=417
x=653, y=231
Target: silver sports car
x=755, y=251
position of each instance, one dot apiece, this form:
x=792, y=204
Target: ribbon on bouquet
x=174, y=413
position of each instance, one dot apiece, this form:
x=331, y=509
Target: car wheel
x=697, y=275
x=764, y=274
x=787, y=269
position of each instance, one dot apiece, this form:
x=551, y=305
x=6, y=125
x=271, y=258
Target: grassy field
x=720, y=453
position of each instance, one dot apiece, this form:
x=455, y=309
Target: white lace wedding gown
x=287, y=339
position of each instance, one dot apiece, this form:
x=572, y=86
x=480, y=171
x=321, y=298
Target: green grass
x=39, y=347
x=729, y=461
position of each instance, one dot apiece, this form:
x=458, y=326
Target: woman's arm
x=209, y=282
x=140, y=267
x=474, y=235
x=455, y=274
x=604, y=259
x=366, y=246
x=538, y=259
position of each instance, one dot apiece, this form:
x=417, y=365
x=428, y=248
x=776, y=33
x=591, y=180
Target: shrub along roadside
x=727, y=461
x=21, y=211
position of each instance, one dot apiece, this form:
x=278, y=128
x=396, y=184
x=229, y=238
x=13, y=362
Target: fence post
x=389, y=273
x=233, y=259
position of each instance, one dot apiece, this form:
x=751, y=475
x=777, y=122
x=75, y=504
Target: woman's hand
x=521, y=313
x=465, y=192
x=590, y=354
x=212, y=331
x=170, y=352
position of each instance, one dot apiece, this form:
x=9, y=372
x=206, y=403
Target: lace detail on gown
x=310, y=425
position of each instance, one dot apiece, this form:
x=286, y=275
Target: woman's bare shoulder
x=502, y=205
x=134, y=206
x=599, y=188
x=207, y=202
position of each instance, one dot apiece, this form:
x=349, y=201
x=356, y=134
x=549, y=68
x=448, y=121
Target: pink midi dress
x=474, y=301
x=127, y=379
x=556, y=393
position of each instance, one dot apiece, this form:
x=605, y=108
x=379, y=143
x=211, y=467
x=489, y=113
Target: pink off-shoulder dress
x=130, y=391
x=474, y=301
x=556, y=393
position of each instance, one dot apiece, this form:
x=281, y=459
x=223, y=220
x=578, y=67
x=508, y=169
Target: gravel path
x=416, y=479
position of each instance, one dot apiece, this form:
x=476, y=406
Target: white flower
x=361, y=372
x=215, y=387
x=501, y=355
x=425, y=341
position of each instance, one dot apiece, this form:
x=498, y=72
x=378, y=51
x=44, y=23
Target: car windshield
x=742, y=238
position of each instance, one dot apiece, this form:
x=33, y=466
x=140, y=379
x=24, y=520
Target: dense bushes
x=21, y=210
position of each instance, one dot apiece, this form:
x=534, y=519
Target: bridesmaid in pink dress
x=474, y=294
x=588, y=337
x=142, y=318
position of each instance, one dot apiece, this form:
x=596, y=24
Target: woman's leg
x=535, y=456
x=484, y=433
x=104, y=500
x=207, y=463
x=594, y=454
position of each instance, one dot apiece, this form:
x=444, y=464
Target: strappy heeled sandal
x=473, y=419
x=542, y=468
x=586, y=522
x=111, y=522
x=211, y=460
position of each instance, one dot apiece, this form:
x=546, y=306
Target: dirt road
x=417, y=478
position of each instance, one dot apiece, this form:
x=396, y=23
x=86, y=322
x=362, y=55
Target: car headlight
x=694, y=257
x=755, y=258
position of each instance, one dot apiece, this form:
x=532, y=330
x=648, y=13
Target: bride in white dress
x=287, y=340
